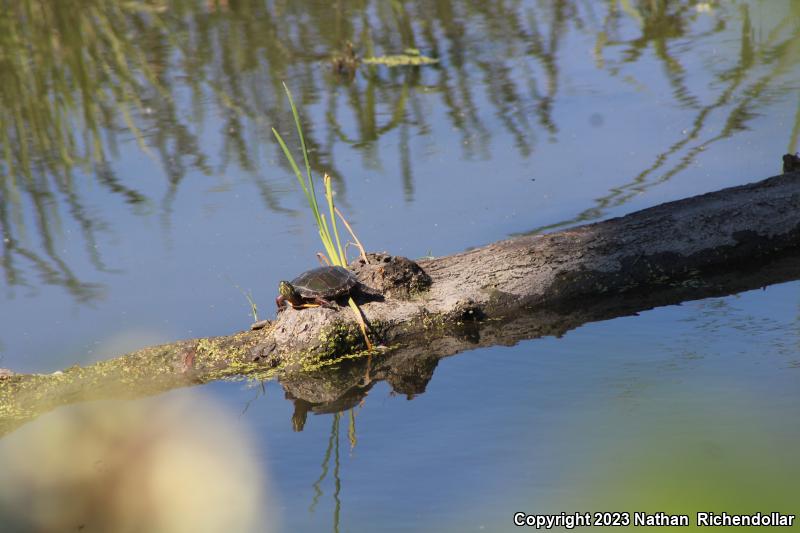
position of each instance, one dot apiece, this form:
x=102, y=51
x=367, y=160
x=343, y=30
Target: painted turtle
x=316, y=287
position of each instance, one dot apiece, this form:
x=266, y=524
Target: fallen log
x=709, y=245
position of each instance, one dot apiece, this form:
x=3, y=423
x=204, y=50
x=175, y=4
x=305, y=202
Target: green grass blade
x=329, y=196
x=295, y=168
x=297, y=123
x=325, y=236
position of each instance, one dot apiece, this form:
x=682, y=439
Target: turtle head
x=286, y=290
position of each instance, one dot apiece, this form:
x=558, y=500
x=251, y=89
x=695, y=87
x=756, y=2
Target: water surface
x=143, y=192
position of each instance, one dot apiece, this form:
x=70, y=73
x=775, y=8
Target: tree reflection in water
x=77, y=82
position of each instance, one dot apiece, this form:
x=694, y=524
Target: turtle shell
x=325, y=282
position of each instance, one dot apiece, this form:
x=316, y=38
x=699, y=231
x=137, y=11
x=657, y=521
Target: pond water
x=143, y=195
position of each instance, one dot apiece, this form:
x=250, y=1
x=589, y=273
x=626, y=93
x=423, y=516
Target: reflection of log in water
x=710, y=245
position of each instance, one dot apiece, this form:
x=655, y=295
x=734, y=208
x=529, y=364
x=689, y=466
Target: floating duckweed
x=401, y=60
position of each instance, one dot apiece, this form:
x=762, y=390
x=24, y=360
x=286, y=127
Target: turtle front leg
x=280, y=301
x=323, y=303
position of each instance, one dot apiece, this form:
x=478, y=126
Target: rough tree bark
x=714, y=244
x=674, y=243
